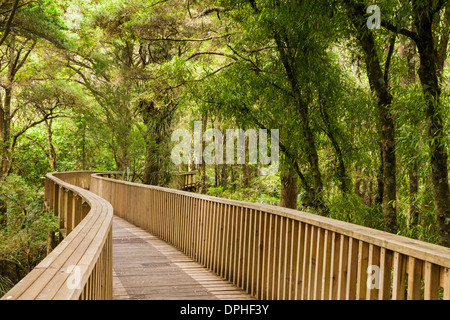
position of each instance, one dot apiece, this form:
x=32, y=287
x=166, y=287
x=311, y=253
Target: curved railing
x=278, y=253
x=80, y=267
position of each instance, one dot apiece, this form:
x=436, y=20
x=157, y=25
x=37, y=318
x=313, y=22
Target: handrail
x=80, y=267
x=185, y=180
x=279, y=253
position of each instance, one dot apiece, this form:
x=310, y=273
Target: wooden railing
x=185, y=181
x=271, y=252
x=80, y=267
x=278, y=253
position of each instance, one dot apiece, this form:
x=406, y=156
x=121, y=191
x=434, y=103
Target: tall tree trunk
x=428, y=74
x=378, y=83
x=51, y=148
x=6, y=132
x=380, y=184
x=302, y=107
x=224, y=176
x=408, y=51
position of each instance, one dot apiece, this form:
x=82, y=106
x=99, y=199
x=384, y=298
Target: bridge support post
x=77, y=215
x=84, y=209
x=61, y=207
x=69, y=211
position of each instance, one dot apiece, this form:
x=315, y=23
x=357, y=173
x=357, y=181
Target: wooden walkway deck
x=147, y=268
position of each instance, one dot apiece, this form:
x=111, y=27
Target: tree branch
x=211, y=53
x=408, y=33
x=35, y=123
x=208, y=11
x=389, y=56
x=8, y=23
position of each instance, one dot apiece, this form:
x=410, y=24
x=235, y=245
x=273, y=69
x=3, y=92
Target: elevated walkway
x=127, y=240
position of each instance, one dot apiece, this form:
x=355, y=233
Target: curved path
x=147, y=268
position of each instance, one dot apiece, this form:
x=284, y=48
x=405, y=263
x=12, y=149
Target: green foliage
x=106, y=82
x=24, y=230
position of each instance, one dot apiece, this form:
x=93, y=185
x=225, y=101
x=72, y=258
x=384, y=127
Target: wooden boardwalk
x=147, y=268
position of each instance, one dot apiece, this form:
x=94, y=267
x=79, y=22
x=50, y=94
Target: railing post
x=84, y=209
x=46, y=194
x=77, y=215
x=69, y=211
x=55, y=199
x=61, y=206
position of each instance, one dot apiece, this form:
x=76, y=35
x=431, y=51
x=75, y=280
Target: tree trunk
x=224, y=176
x=288, y=195
x=428, y=75
x=6, y=132
x=51, y=148
x=408, y=51
x=302, y=108
x=378, y=83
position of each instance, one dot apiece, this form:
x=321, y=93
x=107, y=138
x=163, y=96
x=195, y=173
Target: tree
x=378, y=80
x=432, y=54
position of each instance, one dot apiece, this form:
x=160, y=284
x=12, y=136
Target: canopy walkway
x=125, y=240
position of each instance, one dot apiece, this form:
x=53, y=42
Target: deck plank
x=147, y=268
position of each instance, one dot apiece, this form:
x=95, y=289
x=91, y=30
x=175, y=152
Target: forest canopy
x=357, y=91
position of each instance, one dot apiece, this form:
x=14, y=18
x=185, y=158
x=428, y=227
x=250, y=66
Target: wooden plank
x=257, y=253
x=226, y=244
x=299, y=263
x=318, y=276
x=445, y=282
x=343, y=267
x=275, y=257
x=263, y=260
x=399, y=276
x=414, y=279
x=237, y=244
x=374, y=264
x=252, y=238
x=305, y=267
x=326, y=279
x=219, y=238
x=280, y=264
x=287, y=278
x=241, y=241
x=385, y=274
x=363, y=258
x=431, y=290
x=312, y=262
x=269, y=259
x=294, y=259
x=334, y=266
x=350, y=293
